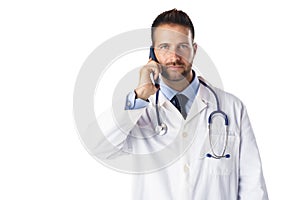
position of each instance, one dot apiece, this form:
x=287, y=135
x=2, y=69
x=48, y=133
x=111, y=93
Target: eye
x=163, y=46
x=183, y=46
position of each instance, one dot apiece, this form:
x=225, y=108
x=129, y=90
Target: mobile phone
x=152, y=55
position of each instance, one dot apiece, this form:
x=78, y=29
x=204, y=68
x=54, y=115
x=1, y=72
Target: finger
x=151, y=61
x=159, y=66
x=154, y=89
x=155, y=69
x=149, y=86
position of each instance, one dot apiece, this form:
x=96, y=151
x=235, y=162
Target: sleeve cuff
x=132, y=103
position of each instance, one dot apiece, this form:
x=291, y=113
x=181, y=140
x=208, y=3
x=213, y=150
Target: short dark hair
x=173, y=16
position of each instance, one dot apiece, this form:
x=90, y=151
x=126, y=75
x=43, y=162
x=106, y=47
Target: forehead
x=170, y=33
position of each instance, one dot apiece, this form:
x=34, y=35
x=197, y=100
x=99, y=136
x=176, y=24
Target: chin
x=174, y=76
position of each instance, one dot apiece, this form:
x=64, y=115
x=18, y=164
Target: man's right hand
x=146, y=88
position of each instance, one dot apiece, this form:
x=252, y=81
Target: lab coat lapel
x=165, y=104
x=202, y=99
x=163, y=101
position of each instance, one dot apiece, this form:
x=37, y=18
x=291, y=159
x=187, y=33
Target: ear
x=195, y=46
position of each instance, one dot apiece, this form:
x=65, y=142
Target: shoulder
x=230, y=104
x=227, y=96
x=222, y=95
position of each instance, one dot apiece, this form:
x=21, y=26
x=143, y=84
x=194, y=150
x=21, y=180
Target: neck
x=179, y=85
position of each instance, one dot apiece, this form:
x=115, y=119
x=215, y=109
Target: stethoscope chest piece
x=161, y=129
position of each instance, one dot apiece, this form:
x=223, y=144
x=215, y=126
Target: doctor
x=184, y=104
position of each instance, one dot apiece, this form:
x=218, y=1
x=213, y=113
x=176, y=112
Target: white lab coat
x=191, y=176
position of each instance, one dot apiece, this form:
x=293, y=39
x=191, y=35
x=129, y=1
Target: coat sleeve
x=251, y=181
x=107, y=138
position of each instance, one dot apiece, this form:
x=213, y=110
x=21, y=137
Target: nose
x=173, y=55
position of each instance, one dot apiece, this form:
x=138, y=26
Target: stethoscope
x=162, y=128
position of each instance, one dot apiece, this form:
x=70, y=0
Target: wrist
x=139, y=94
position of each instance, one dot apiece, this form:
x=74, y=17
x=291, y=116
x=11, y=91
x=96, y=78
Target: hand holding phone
x=153, y=57
x=149, y=77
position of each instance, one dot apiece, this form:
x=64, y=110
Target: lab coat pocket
x=214, y=147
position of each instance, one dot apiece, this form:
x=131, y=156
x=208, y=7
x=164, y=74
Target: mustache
x=174, y=63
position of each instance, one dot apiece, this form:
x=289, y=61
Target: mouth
x=175, y=67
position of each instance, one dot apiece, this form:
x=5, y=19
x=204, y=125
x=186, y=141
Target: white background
x=254, y=45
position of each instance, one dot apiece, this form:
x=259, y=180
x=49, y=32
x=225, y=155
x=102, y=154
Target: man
x=206, y=163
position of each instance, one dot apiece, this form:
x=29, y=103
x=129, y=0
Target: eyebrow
x=166, y=43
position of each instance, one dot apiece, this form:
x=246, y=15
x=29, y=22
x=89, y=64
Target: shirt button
x=184, y=134
x=128, y=103
x=186, y=168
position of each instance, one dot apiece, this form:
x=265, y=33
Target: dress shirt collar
x=190, y=91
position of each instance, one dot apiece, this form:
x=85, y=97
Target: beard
x=173, y=75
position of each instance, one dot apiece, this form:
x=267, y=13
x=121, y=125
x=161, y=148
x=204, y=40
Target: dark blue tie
x=179, y=101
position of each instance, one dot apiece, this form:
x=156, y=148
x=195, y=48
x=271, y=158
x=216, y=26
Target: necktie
x=179, y=101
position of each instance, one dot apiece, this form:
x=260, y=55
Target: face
x=175, y=51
